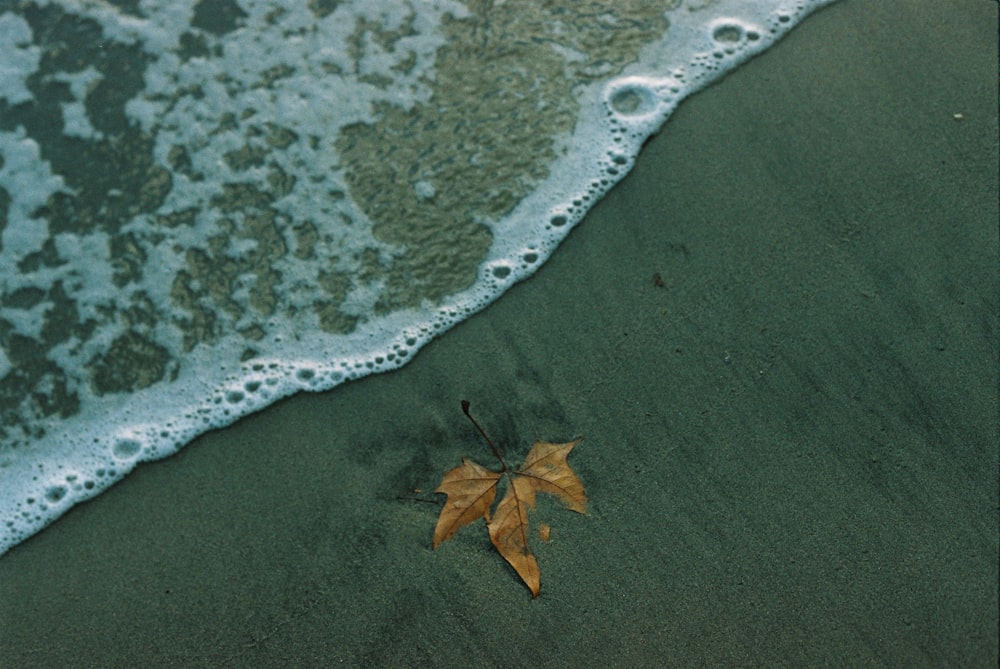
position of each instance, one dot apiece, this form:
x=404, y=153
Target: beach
x=778, y=339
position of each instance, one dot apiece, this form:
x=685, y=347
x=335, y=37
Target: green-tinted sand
x=790, y=446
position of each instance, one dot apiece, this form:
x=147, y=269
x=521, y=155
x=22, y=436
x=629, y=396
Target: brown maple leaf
x=472, y=488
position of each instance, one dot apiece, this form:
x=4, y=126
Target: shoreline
x=790, y=445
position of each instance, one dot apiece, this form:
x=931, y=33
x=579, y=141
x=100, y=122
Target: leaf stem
x=496, y=452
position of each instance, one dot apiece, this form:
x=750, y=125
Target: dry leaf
x=472, y=488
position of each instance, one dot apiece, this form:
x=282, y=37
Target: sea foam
x=208, y=206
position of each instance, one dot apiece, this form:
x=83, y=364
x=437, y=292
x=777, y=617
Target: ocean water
x=206, y=206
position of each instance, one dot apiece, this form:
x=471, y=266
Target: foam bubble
x=633, y=97
x=126, y=449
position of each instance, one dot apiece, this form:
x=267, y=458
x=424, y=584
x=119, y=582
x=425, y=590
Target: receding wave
x=208, y=205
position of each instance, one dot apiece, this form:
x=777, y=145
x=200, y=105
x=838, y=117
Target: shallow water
x=207, y=206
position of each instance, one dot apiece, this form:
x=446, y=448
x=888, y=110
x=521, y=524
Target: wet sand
x=790, y=436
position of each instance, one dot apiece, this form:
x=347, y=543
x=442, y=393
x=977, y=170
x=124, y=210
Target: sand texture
x=790, y=435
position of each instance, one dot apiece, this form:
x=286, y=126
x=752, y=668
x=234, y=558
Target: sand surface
x=790, y=445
